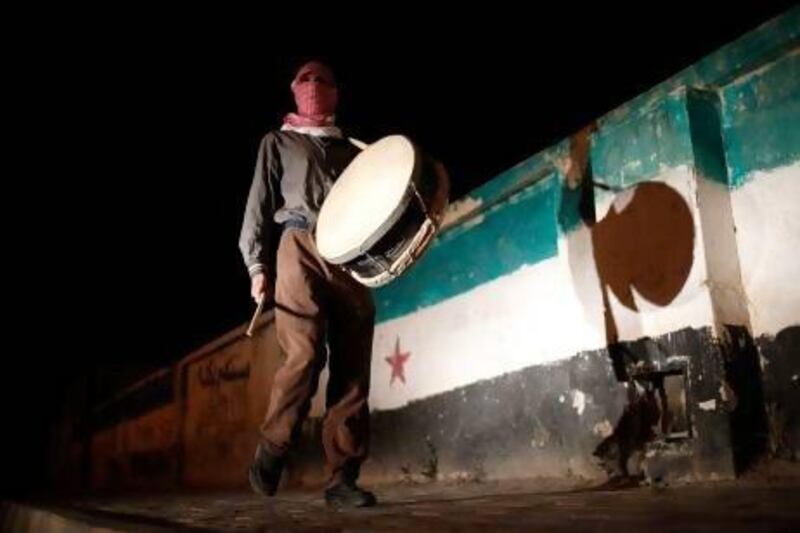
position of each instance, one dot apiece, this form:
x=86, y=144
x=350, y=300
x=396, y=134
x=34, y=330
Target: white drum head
x=366, y=200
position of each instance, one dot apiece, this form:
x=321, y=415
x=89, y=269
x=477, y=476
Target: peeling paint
x=603, y=429
x=623, y=199
x=578, y=401
x=708, y=405
x=460, y=209
x=564, y=164
x=622, y=153
x=473, y=221
x=726, y=393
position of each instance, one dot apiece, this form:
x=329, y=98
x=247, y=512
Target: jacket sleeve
x=258, y=235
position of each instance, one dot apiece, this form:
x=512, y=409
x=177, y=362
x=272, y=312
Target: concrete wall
x=196, y=424
x=665, y=234
x=624, y=300
x=135, y=440
x=224, y=392
x=760, y=117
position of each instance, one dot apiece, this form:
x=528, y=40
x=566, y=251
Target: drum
x=383, y=211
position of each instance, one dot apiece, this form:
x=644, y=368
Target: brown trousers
x=318, y=304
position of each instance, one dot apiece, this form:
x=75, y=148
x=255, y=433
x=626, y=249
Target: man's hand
x=260, y=287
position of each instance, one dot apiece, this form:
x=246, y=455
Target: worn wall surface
x=674, y=216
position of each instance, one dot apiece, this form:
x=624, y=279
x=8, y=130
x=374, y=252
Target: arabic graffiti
x=212, y=374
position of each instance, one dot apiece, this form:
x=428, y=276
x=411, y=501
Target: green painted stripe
x=761, y=120
x=521, y=230
x=643, y=146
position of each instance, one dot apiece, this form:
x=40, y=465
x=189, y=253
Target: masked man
x=322, y=314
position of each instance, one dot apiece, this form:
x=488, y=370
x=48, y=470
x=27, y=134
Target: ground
x=763, y=502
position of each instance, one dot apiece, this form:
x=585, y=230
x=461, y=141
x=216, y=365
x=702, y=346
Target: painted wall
x=196, y=424
x=224, y=392
x=761, y=133
x=674, y=215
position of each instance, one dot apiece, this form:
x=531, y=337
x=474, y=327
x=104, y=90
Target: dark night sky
x=147, y=127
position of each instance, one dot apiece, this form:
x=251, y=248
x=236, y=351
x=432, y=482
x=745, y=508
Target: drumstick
x=259, y=307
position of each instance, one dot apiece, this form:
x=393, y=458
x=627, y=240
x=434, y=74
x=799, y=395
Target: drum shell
x=412, y=231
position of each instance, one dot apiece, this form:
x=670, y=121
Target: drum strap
x=296, y=223
x=361, y=145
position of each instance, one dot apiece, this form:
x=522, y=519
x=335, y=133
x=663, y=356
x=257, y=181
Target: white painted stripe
x=766, y=211
x=539, y=314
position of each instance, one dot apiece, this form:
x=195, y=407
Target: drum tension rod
x=420, y=200
x=380, y=265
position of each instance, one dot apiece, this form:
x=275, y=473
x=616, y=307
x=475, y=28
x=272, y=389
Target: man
x=316, y=303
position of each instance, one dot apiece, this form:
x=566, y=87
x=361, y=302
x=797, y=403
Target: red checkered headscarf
x=316, y=96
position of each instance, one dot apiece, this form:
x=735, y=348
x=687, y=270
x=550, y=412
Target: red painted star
x=396, y=361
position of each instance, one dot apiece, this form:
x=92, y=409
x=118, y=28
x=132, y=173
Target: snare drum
x=383, y=211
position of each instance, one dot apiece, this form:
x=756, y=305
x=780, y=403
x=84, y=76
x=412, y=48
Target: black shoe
x=349, y=494
x=265, y=472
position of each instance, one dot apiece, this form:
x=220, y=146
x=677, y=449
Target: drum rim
x=423, y=238
x=391, y=219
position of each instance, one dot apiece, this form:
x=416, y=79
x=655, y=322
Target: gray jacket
x=293, y=174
